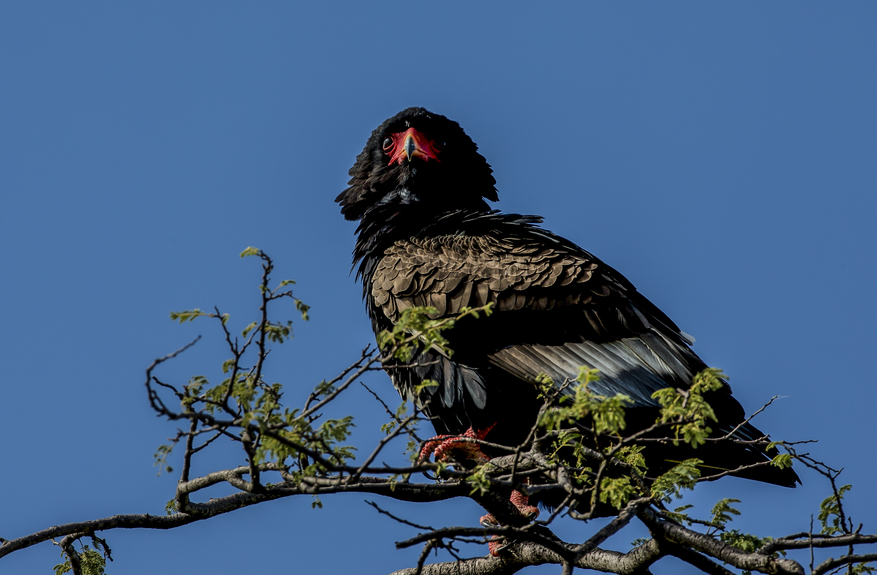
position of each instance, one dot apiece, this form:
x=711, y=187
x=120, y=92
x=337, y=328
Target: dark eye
x=388, y=143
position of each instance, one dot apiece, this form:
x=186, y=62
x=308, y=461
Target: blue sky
x=721, y=155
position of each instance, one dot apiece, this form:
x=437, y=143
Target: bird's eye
x=388, y=143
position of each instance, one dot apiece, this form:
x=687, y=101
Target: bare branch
x=715, y=548
x=526, y=554
x=832, y=563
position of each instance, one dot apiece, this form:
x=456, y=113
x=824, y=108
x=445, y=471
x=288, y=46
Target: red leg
x=522, y=502
x=497, y=544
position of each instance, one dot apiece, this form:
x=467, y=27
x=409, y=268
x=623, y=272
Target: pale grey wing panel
x=636, y=366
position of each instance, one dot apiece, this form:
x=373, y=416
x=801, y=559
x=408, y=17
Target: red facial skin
x=421, y=147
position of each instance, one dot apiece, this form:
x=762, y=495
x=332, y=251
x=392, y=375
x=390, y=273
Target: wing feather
x=588, y=313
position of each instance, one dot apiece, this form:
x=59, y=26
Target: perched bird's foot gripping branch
x=441, y=446
x=498, y=544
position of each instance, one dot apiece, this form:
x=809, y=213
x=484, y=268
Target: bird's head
x=417, y=159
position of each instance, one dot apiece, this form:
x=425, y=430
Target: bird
x=427, y=236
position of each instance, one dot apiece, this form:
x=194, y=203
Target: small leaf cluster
x=831, y=512
x=390, y=426
x=91, y=562
x=682, y=476
x=632, y=455
x=245, y=401
x=722, y=512
x=415, y=330
x=617, y=491
x=744, y=541
x=687, y=409
x=579, y=403
x=861, y=568
x=480, y=480
x=160, y=456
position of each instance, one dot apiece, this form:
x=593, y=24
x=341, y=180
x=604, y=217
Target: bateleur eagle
x=427, y=237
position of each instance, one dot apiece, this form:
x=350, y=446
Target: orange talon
x=431, y=446
x=441, y=445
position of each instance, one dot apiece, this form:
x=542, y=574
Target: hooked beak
x=411, y=144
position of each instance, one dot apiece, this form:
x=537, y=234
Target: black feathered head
x=420, y=160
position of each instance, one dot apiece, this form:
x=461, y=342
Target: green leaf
x=416, y=330
x=722, y=512
x=426, y=383
x=639, y=541
x=632, y=455
x=251, y=251
x=683, y=476
x=184, y=316
x=679, y=514
x=479, y=480
x=249, y=328
x=830, y=512
x=860, y=568
x=91, y=562
x=587, y=375
x=303, y=308
x=616, y=491
x=782, y=460
x=609, y=414
x=161, y=454
x=278, y=333
x=687, y=410
x=545, y=385
x=745, y=541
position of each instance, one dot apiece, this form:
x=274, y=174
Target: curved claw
x=497, y=545
x=431, y=446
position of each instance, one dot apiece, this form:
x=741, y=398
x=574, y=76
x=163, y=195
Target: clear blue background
x=721, y=155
